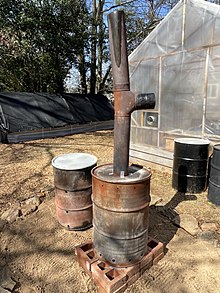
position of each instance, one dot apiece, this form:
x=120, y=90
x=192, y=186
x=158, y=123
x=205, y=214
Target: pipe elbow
x=145, y=101
x=127, y=102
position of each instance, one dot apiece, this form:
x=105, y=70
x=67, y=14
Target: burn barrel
x=120, y=214
x=190, y=164
x=73, y=188
x=214, y=177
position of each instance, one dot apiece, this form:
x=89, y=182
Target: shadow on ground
x=164, y=220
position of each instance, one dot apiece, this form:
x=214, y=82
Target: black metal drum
x=190, y=164
x=214, y=178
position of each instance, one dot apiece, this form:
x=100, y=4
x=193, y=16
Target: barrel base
x=189, y=184
x=120, y=252
x=69, y=228
x=74, y=221
x=115, y=279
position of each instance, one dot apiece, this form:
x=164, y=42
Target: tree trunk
x=104, y=79
x=93, y=49
x=82, y=72
x=100, y=43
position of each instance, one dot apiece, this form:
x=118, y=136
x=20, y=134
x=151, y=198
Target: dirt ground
x=37, y=253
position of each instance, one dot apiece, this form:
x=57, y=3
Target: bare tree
x=142, y=16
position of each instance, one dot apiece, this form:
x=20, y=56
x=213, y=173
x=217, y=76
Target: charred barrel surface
x=120, y=214
x=73, y=181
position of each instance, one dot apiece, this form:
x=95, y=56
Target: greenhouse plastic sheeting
x=180, y=62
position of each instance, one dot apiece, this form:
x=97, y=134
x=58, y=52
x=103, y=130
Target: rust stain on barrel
x=73, y=187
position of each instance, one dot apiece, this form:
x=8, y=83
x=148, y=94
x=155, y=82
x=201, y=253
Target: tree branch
x=101, y=86
x=117, y=5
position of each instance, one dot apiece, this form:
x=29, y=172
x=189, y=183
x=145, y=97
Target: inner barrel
x=120, y=214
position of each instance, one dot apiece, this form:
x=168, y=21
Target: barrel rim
x=216, y=147
x=192, y=141
x=144, y=174
x=74, y=161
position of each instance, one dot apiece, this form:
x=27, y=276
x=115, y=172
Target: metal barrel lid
x=135, y=174
x=192, y=140
x=74, y=161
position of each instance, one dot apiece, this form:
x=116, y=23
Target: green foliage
x=39, y=42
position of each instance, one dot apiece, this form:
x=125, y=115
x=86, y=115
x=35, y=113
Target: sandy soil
x=38, y=253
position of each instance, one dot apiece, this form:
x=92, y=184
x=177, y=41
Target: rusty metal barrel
x=120, y=214
x=73, y=188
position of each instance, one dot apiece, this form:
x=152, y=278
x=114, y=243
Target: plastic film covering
x=179, y=61
x=183, y=88
x=161, y=41
x=212, y=121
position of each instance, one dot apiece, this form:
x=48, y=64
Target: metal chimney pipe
x=125, y=102
x=118, y=48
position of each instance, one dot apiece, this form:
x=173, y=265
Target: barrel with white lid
x=73, y=188
x=190, y=164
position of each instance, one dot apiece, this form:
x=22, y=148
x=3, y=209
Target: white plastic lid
x=192, y=140
x=74, y=161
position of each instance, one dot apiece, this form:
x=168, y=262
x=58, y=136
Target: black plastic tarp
x=29, y=112
x=90, y=108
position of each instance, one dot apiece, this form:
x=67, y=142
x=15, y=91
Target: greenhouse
x=179, y=62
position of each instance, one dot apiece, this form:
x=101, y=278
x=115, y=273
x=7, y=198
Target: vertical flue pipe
x=118, y=48
x=125, y=102
x=120, y=72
